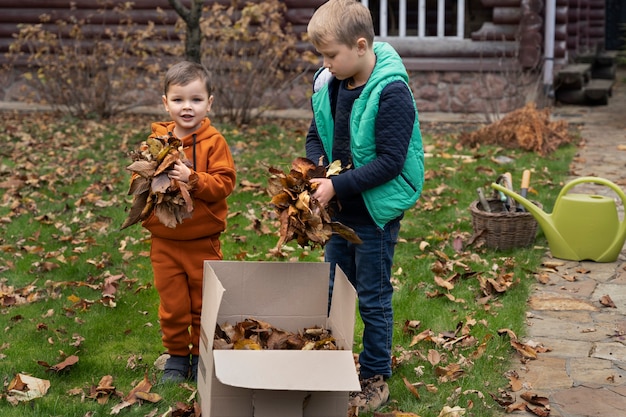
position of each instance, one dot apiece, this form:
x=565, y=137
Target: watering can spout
x=553, y=235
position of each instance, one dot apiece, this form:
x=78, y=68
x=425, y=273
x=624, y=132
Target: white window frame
x=421, y=23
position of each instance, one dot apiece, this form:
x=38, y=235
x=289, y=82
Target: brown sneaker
x=373, y=395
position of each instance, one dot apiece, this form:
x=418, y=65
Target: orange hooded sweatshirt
x=212, y=164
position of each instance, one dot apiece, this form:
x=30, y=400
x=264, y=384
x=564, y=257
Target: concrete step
x=606, y=58
x=598, y=91
x=595, y=92
x=606, y=72
x=573, y=76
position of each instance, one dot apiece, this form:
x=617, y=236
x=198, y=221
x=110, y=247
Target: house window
x=418, y=18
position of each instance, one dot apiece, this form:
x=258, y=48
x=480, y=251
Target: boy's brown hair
x=185, y=72
x=344, y=21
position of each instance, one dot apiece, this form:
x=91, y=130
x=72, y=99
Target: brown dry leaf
x=143, y=386
x=535, y=399
x=443, y=283
x=110, y=284
x=515, y=383
x=300, y=215
x=151, y=397
x=538, y=411
x=509, y=332
x=26, y=388
x=151, y=187
x=412, y=389
x=525, y=350
x=103, y=391
x=503, y=398
x=521, y=406
x=411, y=326
x=252, y=334
x=69, y=361
x=424, y=335
x=434, y=357
x=606, y=301
x=449, y=373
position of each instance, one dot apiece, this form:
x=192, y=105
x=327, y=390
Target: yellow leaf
x=334, y=168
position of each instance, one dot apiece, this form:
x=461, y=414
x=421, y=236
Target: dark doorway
x=615, y=24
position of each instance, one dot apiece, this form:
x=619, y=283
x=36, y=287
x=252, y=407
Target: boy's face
x=187, y=106
x=342, y=60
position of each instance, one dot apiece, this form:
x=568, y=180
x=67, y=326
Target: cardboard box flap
x=312, y=370
x=342, y=310
x=212, y=293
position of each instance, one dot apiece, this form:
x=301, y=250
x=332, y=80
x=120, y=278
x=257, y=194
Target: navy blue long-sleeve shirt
x=393, y=128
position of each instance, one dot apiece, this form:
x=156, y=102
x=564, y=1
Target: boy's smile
x=187, y=105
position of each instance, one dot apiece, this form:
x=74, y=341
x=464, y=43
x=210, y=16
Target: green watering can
x=581, y=226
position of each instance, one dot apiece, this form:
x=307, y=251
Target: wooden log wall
x=97, y=16
x=512, y=27
x=586, y=26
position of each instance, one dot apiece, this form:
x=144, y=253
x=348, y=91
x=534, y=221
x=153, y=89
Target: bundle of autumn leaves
x=151, y=187
x=526, y=128
x=301, y=216
x=253, y=334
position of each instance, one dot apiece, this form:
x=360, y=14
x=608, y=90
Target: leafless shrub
x=252, y=55
x=86, y=67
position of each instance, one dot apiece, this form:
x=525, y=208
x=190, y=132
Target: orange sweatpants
x=178, y=273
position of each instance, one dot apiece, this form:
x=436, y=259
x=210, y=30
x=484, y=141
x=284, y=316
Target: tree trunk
x=193, y=37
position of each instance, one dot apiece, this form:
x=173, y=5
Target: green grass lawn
x=63, y=189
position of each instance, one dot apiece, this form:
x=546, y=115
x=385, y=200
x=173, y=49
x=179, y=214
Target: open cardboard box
x=276, y=383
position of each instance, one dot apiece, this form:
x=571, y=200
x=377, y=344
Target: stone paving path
x=585, y=372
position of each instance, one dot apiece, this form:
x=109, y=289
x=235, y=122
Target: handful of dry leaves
x=252, y=334
x=152, y=188
x=301, y=216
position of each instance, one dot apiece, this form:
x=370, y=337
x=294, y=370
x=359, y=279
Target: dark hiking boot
x=373, y=395
x=176, y=369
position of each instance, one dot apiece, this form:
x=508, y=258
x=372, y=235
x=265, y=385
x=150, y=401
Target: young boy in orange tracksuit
x=178, y=254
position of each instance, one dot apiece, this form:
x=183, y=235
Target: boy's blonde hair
x=185, y=72
x=343, y=21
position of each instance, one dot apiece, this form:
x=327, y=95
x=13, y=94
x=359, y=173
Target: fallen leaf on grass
x=26, y=388
x=412, y=389
x=103, y=391
x=443, y=283
x=448, y=411
x=449, y=373
x=503, y=398
x=69, y=361
x=434, y=357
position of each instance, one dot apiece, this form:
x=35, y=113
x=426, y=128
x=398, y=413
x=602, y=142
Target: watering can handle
x=596, y=180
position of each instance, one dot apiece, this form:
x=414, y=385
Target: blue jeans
x=368, y=267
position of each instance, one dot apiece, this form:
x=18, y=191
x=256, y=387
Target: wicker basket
x=503, y=229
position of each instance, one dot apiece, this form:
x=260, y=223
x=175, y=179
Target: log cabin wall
x=503, y=42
